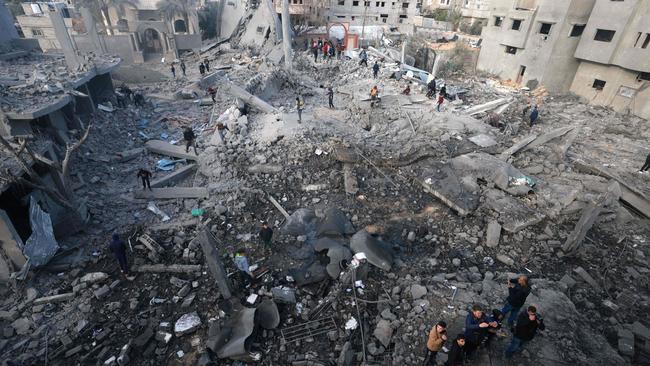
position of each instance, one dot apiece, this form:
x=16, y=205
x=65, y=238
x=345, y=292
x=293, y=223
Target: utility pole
x=286, y=35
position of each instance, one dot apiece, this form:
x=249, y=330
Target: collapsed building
x=387, y=219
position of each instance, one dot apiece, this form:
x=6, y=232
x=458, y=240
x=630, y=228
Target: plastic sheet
x=41, y=245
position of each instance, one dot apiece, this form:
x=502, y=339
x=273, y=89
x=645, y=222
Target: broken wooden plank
x=165, y=148
x=172, y=192
x=278, y=206
x=349, y=179
x=55, y=298
x=162, y=268
x=518, y=146
x=174, y=177
x=209, y=247
x=486, y=106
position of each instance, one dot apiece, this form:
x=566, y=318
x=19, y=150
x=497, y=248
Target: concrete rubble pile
x=385, y=221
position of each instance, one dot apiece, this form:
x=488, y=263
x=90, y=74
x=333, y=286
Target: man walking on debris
x=206, y=62
x=145, y=175
x=241, y=262
x=431, y=88
x=212, y=93
x=476, y=327
x=364, y=58
x=441, y=99
x=190, y=138
x=173, y=71
x=266, y=234
x=300, y=105
x=437, y=338
x=407, y=91
x=518, y=290
x=374, y=96
x=202, y=69
x=646, y=166
x=375, y=69
x=330, y=97
x=455, y=356
x=314, y=50
x=118, y=248
x=183, y=67
x=533, y=116
x=528, y=323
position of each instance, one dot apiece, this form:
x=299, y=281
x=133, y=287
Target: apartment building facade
x=374, y=12
x=36, y=23
x=533, y=42
x=614, y=55
x=471, y=9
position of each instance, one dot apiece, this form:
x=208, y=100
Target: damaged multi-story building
x=136, y=31
x=597, y=49
x=474, y=10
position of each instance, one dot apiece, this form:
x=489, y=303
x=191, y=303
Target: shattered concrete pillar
x=286, y=34
x=209, y=246
x=61, y=32
x=91, y=29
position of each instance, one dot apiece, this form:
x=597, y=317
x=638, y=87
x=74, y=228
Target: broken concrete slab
x=161, y=268
x=548, y=137
x=248, y=98
x=513, y=215
x=300, y=222
x=517, y=147
x=383, y=332
x=175, y=177
x=187, y=323
x=483, y=140
x=486, y=106
x=209, y=246
x=488, y=167
x=492, y=234
x=378, y=252
x=442, y=181
x=335, y=223
x=588, y=218
x=349, y=179
x=232, y=339
x=165, y=148
x=587, y=278
x=172, y=192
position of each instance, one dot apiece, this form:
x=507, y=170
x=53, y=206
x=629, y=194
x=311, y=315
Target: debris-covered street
x=387, y=215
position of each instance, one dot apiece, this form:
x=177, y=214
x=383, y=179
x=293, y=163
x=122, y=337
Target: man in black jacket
x=455, y=355
x=190, y=139
x=266, y=234
x=518, y=290
x=528, y=323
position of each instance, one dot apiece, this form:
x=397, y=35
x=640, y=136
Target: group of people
x=204, y=67
x=327, y=48
x=183, y=69
x=480, y=328
x=125, y=96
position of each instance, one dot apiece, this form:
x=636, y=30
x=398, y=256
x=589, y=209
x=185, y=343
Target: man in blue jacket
x=476, y=328
x=518, y=290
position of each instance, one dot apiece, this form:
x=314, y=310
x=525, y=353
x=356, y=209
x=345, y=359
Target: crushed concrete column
x=91, y=29
x=209, y=246
x=286, y=34
x=61, y=32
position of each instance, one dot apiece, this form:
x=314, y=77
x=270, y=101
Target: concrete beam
x=55, y=298
x=172, y=192
x=548, y=137
x=174, y=177
x=165, y=148
x=486, y=106
x=209, y=246
x=517, y=147
x=162, y=268
x=241, y=93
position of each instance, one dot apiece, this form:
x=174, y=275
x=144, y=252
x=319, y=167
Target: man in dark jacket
x=431, y=88
x=528, y=323
x=375, y=69
x=533, y=116
x=330, y=96
x=518, y=290
x=476, y=327
x=190, y=138
x=266, y=233
x=455, y=355
x=145, y=175
x=118, y=248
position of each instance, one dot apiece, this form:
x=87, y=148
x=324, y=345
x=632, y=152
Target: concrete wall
x=7, y=29
x=622, y=91
x=430, y=23
x=393, y=11
x=628, y=18
x=548, y=59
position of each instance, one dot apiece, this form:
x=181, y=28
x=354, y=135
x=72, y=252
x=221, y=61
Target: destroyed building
x=388, y=215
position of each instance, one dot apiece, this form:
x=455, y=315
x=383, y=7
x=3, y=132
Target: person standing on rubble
x=375, y=69
x=437, y=338
x=374, y=96
x=326, y=50
x=330, y=97
x=441, y=99
x=476, y=327
x=314, y=50
x=213, y=93
x=145, y=175
x=206, y=62
x=241, y=262
x=173, y=71
x=364, y=58
x=202, y=69
x=518, y=291
x=533, y=116
x=455, y=355
x=190, y=139
x=528, y=323
x=183, y=67
x=118, y=248
x=645, y=166
x=300, y=105
x=431, y=88
x=266, y=234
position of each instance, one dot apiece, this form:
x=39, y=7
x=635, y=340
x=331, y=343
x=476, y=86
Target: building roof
x=37, y=84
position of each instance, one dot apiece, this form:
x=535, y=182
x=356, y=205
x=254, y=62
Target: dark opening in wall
x=577, y=30
x=604, y=35
x=599, y=84
x=516, y=24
